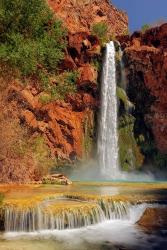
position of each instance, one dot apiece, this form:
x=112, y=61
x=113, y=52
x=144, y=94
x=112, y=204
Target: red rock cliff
x=67, y=125
x=146, y=62
x=79, y=15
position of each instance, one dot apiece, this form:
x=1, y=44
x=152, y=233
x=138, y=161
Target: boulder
x=153, y=218
x=58, y=179
x=87, y=74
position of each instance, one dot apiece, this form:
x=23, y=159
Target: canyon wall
x=33, y=124
x=80, y=15
x=145, y=57
x=37, y=128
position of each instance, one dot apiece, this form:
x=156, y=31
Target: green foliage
x=112, y=37
x=160, y=160
x=32, y=40
x=121, y=94
x=72, y=77
x=149, y=149
x=97, y=64
x=130, y=155
x=145, y=27
x=63, y=84
x=41, y=155
x=39, y=152
x=1, y=198
x=126, y=32
x=45, y=98
x=100, y=30
x=88, y=127
x=118, y=57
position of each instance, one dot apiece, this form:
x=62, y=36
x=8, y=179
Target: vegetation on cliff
x=32, y=40
x=129, y=152
x=145, y=62
x=32, y=44
x=100, y=30
x=23, y=157
x=130, y=155
x=49, y=116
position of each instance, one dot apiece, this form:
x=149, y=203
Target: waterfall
x=51, y=217
x=108, y=138
x=39, y=219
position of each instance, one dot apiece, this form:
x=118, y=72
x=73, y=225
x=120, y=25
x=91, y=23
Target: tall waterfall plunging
x=108, y=138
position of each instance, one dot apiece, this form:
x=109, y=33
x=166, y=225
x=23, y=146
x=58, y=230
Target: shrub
x=145, y=27
x=71, y=77
x=64, y=84
x=41, y=156
x=45, y=98
x=97, y=64
x=100, y=30
x=32, y=40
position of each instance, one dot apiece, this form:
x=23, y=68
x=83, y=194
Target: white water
x=112, y=231
x=38, y=218
x=107, y=145
x=108, y=138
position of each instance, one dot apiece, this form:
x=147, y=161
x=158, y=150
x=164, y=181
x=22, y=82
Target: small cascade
x=62, y=217
x=108, y=138
x=36, y=219
x=116, y=210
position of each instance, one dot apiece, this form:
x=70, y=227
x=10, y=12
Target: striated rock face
x=67, y=125
x=79, y=15
x=146, y=63
x=61, y=123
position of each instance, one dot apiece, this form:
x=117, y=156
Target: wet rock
x=153, y=218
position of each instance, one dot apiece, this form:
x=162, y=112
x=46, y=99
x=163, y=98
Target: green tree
x=100, y=30
x=32, y=40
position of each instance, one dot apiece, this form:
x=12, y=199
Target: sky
x=142, y=12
